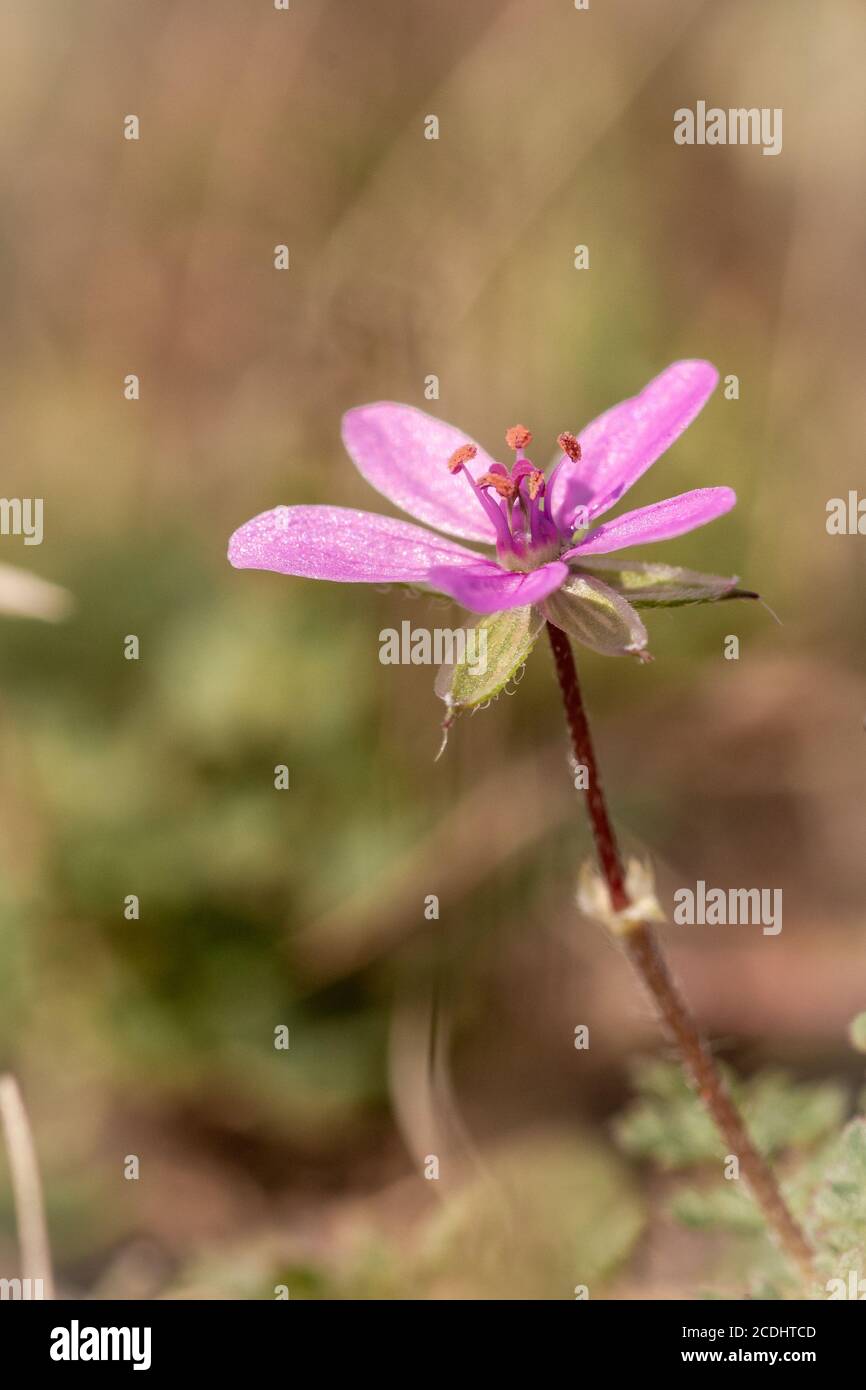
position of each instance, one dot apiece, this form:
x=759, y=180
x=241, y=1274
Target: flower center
x=517, y=500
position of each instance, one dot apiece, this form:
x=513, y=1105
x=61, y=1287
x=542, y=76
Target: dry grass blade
x=26, y=1187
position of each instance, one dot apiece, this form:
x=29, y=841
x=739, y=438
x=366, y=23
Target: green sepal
x=595, y=614
x=663, y=586
x=509, y=637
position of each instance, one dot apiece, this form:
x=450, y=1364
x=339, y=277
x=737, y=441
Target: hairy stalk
x=643, y=949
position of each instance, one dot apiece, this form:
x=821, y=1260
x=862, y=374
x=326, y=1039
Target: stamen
x=501, y=483
x=498, y=518
x=461, y=456
x=569, y=444
x=535, y=483
x=518, y=437
x=514, y=500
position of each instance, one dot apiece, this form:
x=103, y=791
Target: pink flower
x=544, y=528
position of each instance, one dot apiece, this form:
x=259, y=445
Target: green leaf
x=657, y=585
x=669, y=1125
x=838, y=1211
x=502, y=643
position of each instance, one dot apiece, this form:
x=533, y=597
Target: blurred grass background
x=408, y=258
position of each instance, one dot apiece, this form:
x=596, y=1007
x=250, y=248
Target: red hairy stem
x=644, y=951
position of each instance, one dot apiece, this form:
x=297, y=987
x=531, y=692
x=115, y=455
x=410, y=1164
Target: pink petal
x=404, y=454
x=620, y=445
x=488, y=588
x=338, y=543
x=658, y=522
